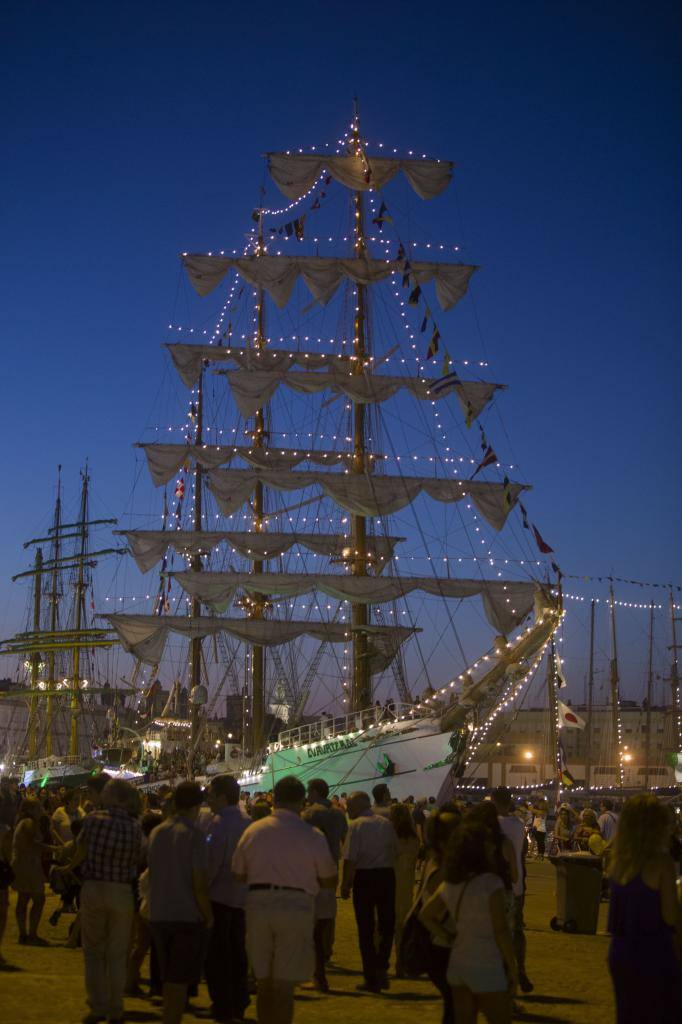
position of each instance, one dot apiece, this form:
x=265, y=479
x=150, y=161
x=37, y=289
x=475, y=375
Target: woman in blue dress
x=644, y=917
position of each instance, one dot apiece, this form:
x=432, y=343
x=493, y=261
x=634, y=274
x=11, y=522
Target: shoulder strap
x=459, y=901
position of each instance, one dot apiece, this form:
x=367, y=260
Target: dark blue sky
x=133, y=131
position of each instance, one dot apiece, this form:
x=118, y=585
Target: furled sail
x=322, y=274
x=295, y=173
x=252, y=389
x=149, y=546
x=367, y=495
x=506, y=603
x=165, y=460
x=188, y=359
x=145, y=636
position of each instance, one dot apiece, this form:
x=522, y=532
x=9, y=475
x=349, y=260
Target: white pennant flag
x=568, y=717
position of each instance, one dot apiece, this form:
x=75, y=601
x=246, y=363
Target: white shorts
x=279, y=934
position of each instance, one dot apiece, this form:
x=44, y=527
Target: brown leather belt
x=264, y=885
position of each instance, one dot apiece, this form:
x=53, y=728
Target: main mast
x=361, y=692
x=258, y=606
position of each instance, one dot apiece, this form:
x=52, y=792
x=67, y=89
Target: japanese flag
x=568, y=717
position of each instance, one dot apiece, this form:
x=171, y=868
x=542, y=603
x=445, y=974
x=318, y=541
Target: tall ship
x=341, y=547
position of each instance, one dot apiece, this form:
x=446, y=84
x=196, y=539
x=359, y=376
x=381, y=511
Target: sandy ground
x=569, y=971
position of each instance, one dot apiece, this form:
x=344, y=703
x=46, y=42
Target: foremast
x=195, y=647
x=361, y=689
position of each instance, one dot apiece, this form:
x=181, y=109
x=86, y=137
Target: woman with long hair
x=644, y=916
x=28, y=848
x=470, y=905
x=438, y=831
x=400, y=817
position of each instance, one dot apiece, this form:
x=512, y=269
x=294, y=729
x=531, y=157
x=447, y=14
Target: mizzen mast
x=361, y=690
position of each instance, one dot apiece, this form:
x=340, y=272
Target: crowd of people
x=213, y=885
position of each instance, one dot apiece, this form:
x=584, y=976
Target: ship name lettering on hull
x=330, y=748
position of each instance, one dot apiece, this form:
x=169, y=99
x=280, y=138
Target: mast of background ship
x=54, y=607
x=78, y=613
x=649, y=696
x=553, y=721
x=674, y=679
x=590, y=700
x=35, y=659
x=615, y=711
x=195, y=642
x=361, y=692
x=256, y=607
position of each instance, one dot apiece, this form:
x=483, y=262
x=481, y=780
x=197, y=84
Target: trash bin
x=578, y=892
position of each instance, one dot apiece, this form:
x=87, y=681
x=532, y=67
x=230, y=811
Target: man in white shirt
x=607, y=820
x=513, y=828
x=369, y=855
x=283, y=862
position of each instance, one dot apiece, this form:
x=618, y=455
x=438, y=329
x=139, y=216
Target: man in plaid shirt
x=108, y=847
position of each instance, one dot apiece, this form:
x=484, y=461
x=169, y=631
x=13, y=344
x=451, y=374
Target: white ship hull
x=407, y=755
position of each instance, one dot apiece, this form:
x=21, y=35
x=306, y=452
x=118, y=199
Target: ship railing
x=330, y=726
x=55, y=761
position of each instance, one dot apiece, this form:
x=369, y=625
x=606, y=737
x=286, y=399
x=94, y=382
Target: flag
x=489, y=459
x=469, y=418
x=568, y=718
x=180, y=489
x=427, y=317
x=543, y=546
x=507, y=488
x=414, y=296
x=433, y=344
x=559, y=672
x=400, y=255
x=524, y=516
x=564, y=774
x=406, y=274
x=289, y=229
x=443, y=383
x=316, y=204
x=382, y=217
x=298, y=227
x=447, y=362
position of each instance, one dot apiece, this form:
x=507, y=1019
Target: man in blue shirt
x=226, y=963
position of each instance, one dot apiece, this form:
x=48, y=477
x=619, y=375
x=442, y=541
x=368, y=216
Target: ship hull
x=410, y=760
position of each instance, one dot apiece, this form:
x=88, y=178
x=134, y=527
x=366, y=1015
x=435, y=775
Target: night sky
x=134, y=131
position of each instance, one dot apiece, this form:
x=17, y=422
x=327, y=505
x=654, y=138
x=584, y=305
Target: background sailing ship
x=64, y=708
